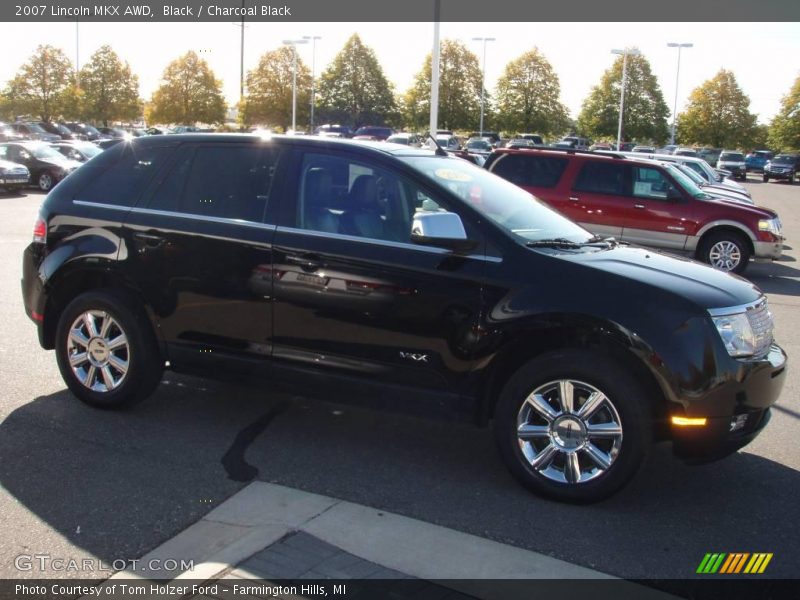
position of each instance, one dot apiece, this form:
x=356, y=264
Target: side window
x=341, y=195
x=532, y=171
x=4, y=152
x=123, y=182
x=225, y=181
x=650, y=183
x=601, y=178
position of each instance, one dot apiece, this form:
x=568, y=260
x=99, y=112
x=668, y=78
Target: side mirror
x=442, y=229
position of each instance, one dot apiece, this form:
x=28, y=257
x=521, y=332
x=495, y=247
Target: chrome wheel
x=98, y=351
x=569, y=431
x=45, y=182
x=725, y=255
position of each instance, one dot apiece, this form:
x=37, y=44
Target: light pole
x=313, y=39
x=483, y=72
x=624, y=52
x=241, y=65
x=293, y=44
x=677, y=76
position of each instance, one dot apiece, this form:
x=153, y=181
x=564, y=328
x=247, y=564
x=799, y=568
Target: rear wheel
x=45, y=181
x=106, y=350
x=573, y=425
x=725, y=251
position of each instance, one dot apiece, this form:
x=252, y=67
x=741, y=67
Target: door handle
x=638, y=206
x=307, y=262
x=154, y=241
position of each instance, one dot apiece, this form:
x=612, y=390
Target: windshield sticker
x=452, y=175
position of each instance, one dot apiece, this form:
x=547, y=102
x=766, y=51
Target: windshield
x=35, y=128
x=89, y=150
x=692, y=175
x=732, y=157
x=479, y=145
x=46, y=152
x=510, y=207
x=784, y=159
x=687, y=183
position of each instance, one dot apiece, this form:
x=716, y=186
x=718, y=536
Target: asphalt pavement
x=112, y=486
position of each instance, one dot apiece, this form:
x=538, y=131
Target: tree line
x=353, y=90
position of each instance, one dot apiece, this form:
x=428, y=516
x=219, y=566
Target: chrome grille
x=761, y=322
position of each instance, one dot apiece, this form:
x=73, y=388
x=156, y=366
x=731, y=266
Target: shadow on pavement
x=776, y=278
x=130, y=480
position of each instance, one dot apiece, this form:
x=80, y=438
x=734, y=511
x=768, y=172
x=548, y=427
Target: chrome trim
x=384, y=243
x=735, y=310
x=169, y=213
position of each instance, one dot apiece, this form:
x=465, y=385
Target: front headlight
x=736, y=334
x=771, y=225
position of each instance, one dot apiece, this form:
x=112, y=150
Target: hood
x=728, y=193
x=694, y=281
x=65, y=163
x=757, y=212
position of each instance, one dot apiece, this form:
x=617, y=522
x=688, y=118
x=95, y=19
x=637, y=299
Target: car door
x=354, y=298
x=597, y=198
x=657, y=212
x=199, y=244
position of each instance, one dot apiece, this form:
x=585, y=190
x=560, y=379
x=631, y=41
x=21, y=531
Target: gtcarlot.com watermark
x=45, y=563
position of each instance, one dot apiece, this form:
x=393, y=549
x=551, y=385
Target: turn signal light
x=689, y=421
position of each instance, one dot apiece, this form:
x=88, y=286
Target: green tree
x=38, y=88
x=353, y=90
x=189, y=93
x=110, y=89
x=528, y=96
x=645, y=112
x=460, y=81
x=718, y=114
x=784, y=130
x=269, y=90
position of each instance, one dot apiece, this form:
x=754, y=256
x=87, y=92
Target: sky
x=762, y=56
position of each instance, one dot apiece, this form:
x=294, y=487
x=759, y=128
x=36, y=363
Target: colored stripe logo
x=734, y=563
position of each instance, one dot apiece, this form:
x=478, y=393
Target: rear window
x=601, y=178
x=530, y=171
x=123, y=182
x=732, y=156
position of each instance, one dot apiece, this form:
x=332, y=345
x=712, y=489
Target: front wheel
x=45, y=181
x=765, y=178
x=573, y=425
x=106, y=350
x=725, y=251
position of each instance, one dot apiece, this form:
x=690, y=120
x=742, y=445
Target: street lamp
x=293, y=44
x=677, y=75
x=483, y=72
x=624, y=52
x=313, y=39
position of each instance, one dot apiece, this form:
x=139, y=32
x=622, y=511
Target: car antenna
x=439, y=150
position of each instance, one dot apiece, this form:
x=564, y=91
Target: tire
x=107, y=376
x=45, y=181
x=791, y=179
x=765, y=178
x=726, y=251
x=560, y=458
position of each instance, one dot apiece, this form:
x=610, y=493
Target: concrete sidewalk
x=270, y=532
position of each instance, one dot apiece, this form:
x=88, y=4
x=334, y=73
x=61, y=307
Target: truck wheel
x=573, y=425
x=765, y=178
x=106, y=350
x=725, y=251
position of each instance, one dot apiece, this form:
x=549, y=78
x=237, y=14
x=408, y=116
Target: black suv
x=400, y=277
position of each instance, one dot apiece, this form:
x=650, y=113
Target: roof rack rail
x=608, y=153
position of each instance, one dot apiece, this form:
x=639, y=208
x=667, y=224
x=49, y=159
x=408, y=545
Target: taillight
x=40, y=231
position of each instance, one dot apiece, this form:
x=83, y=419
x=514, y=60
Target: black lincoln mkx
x=402, y=278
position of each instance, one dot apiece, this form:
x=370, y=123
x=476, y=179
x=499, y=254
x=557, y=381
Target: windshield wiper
x=594, y=241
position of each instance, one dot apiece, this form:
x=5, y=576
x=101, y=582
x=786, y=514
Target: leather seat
x=317, y=198
x=362, y=216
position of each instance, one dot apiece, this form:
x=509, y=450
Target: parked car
x=625, y=147
x=481, y=146
x=710, y=155
x=47, y=166
x=78, y=151
x=644, y=149
x=406, y=139
x=376, y=133
x=447, y=142
x=32, y=131
x=106, y=144
x=88, y=131
x=114, y=132
x=601, y=146
x=668, y=149
x=336, y=131
x=520, y=143
x=13, y=176
x=686, y=152
x=733, y=162
x=575, y=142
x=7, y=133
x=537, y=139
x=492, y=136
x=717, y=191
x=756, y=160
x=60, y=130
x=404, y=278
x=783, y=166
x=640, y=201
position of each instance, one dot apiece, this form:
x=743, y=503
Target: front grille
x=761, y=322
